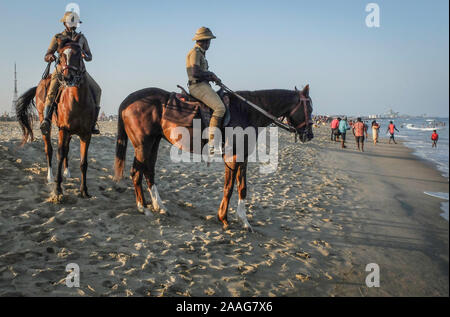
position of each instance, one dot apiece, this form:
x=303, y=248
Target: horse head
x=70, y=59
x=300, y=115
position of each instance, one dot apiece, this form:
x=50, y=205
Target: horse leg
x=230, y=175
x=84, y=147
x=149, y=172
x=241, y=182
x=63, y=139
x=137, y=172
x=49, y=155
x=66, y=161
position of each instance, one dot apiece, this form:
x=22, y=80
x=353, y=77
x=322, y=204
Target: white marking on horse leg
x=156, y=200
x=143, y=209
x=50, y=178
x=67, y=173
x=243, y=214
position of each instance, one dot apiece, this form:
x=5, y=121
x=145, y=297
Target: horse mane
x=267, y=99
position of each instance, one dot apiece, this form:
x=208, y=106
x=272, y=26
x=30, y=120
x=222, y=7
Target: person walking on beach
x=343, y=127
x=391, y=129
x=334, y=129
x=359, y=129
x=375, y=130
x=434, y=139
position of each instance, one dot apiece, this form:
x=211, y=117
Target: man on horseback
x=199, y=78
x=70, y=21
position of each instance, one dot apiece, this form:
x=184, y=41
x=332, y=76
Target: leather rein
x=288, y=127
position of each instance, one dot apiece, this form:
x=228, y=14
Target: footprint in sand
x=321, y=246
x=302, y=277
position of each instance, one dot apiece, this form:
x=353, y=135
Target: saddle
x=182, y=109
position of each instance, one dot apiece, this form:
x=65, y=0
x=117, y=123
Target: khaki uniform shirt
x=69, y=35
x=196, y=57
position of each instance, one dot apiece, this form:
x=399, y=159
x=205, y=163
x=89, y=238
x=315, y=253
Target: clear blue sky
x=351, y=68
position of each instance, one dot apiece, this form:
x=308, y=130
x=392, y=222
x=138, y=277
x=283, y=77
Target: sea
x=416, y=134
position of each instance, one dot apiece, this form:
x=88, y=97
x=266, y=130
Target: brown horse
x=141, y=120
x=75, y=113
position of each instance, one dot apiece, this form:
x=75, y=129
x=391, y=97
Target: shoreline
x=402, y=229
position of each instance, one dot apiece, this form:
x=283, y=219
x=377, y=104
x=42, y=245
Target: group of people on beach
x=340, y=126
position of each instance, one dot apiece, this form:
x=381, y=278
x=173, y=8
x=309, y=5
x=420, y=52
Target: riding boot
x=47, y=122
x=94, y=129
x=213, y=124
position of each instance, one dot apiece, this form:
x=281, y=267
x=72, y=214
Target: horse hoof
x=67, y=173
x=250, y=229
x=85, y=195
x=163, y=212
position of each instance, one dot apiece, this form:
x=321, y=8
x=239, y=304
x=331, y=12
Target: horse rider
x=70, y=21
x=199, y=78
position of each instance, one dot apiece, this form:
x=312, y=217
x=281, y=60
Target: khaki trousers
x=203, y=92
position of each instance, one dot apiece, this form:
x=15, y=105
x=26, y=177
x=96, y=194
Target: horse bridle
x=303, y=101
x=75, y=80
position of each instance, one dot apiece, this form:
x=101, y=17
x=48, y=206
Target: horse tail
x=24, y=113
x=121, y=148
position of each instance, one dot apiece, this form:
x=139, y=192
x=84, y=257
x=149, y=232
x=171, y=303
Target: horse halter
x=303, y=101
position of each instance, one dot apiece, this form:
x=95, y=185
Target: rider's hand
x=217, y=79
x=50, y=58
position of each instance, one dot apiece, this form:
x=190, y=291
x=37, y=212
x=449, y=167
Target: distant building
x=15, y=94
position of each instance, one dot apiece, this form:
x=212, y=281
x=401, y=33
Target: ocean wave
x=412, y=127
x=444, y=205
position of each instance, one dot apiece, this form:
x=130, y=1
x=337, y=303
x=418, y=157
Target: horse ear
x=306, y=91
x=295, y=88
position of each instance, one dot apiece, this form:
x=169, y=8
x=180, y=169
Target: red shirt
x=334, y=124
x=434, y=136
x=391, y=128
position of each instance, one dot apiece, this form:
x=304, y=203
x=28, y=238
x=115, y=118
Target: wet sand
x=318, y=221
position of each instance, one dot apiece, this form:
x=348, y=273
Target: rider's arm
x=87, y=55
x=49, y=56
x=197, y=72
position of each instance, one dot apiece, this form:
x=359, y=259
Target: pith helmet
x=203, y=33
x=71, y=17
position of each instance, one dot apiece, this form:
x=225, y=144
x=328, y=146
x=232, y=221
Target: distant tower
x=14, y=101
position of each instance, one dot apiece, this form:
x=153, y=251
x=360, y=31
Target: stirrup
x=213, y=150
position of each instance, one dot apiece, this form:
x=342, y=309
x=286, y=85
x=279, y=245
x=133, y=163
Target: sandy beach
x=319, y=220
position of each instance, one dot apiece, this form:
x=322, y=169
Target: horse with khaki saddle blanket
x=149, y=115
x=75, y=113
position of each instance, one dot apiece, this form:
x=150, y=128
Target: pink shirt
x=334, y=123
x=359, y=128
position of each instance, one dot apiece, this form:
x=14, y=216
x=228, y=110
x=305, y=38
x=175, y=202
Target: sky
x=351, y=69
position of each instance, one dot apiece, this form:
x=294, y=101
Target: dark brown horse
x=141, y=120
x=75, y=113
